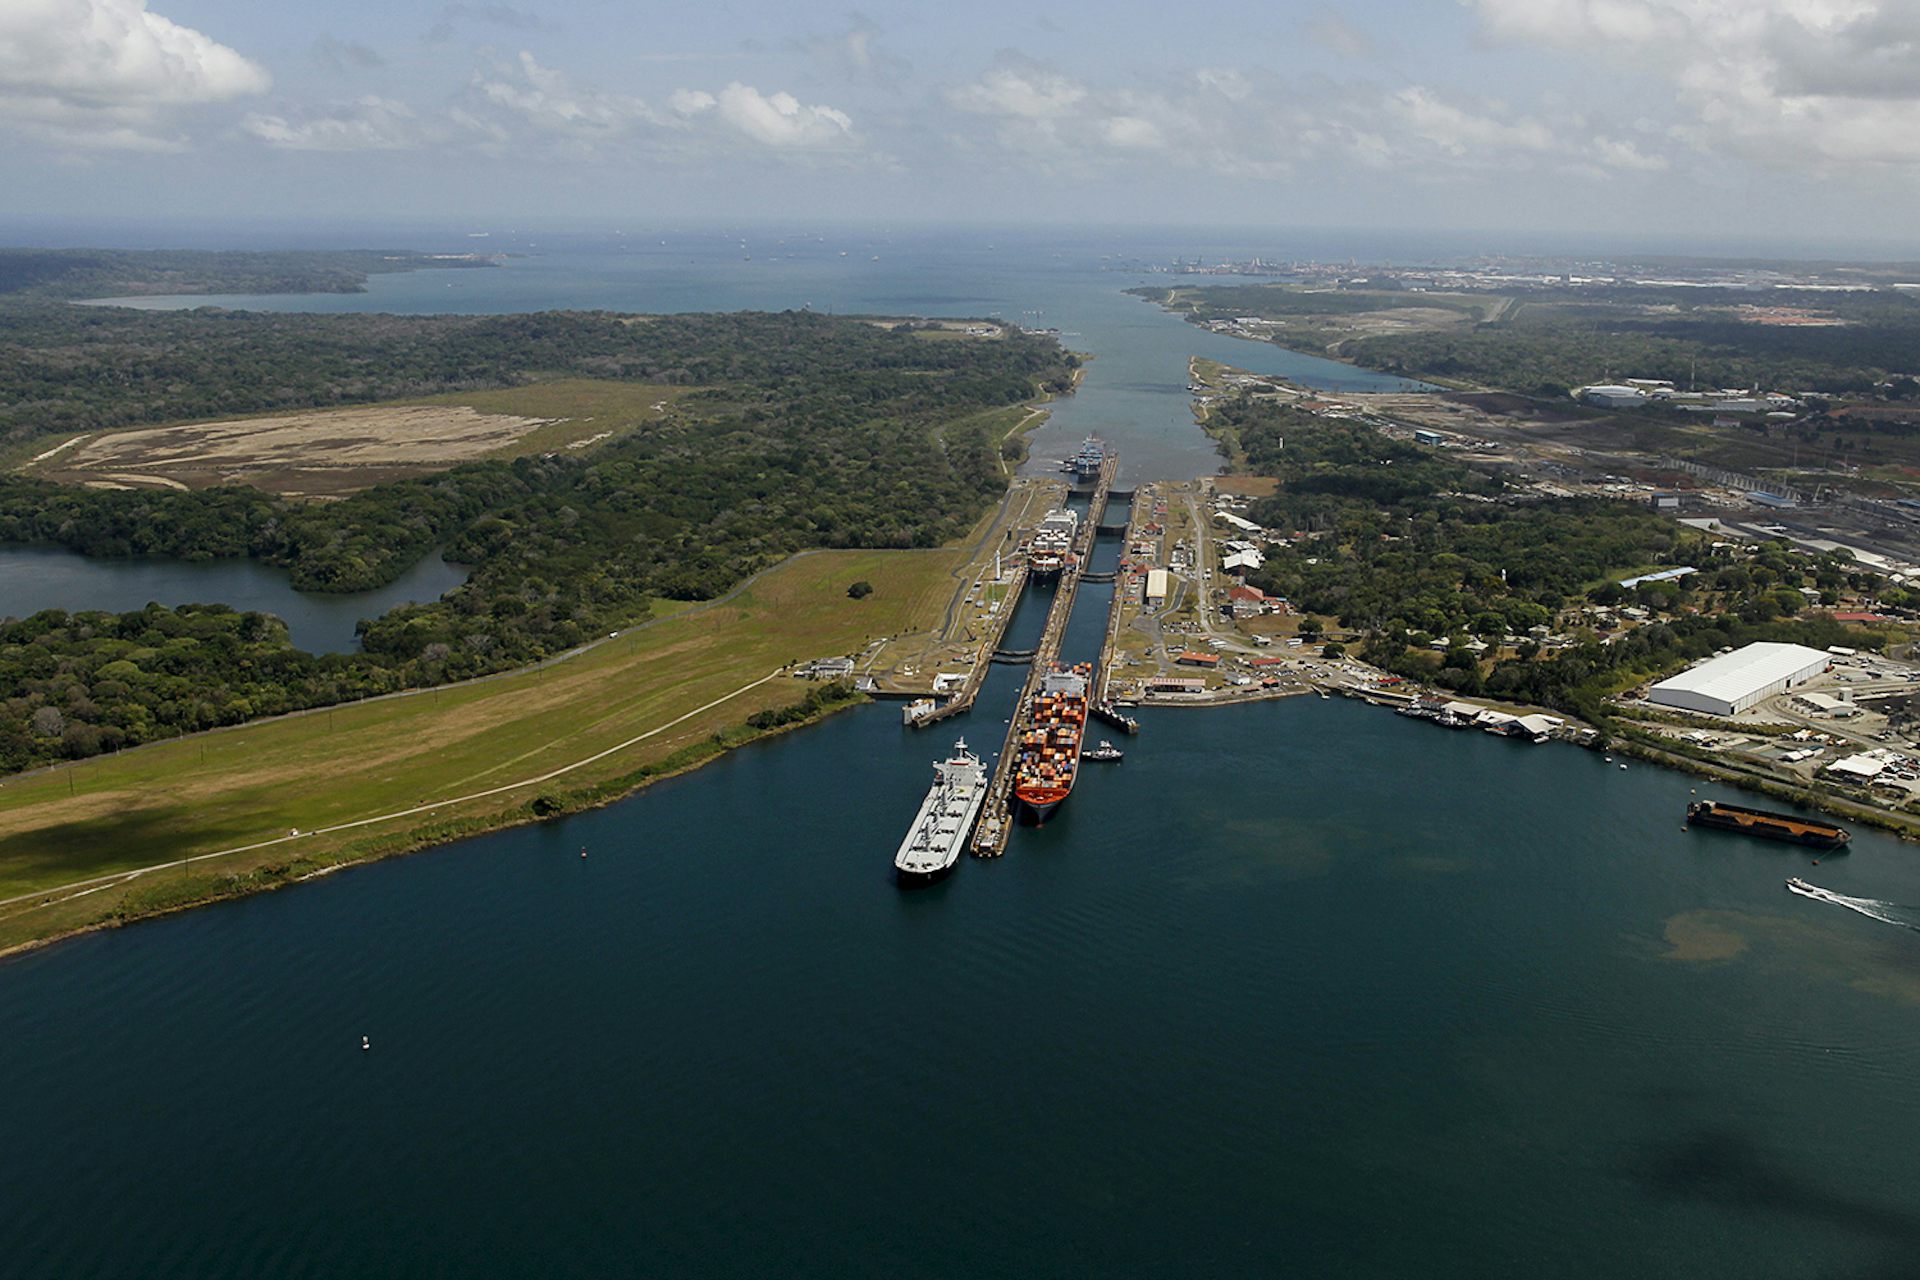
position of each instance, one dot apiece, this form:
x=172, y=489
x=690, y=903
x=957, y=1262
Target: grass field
x=192, y=797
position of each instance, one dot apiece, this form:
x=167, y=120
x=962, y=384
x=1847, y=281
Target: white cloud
x=549, y=100
x=105, y=72
x=1258, y=124
x=1624, y=153
x=1831, y=84
x=1134, y=133
x=781, y=120
x=1459, y=131
x=1020, y=89
x=691, y=102
x=371, y=124
x=525, y=98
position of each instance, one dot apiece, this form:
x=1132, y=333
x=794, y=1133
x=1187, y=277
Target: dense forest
x=1410, y=548
x=1400, y=538
x=93, y=273
x=811, y=432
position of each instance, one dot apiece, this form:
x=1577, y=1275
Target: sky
x=1742, y=119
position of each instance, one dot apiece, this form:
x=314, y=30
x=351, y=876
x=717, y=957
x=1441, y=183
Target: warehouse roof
x=1731, y=676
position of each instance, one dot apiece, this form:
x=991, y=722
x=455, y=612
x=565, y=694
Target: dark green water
x=1300, y=988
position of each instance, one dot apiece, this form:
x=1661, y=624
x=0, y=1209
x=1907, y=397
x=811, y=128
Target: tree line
x=1422, y=555
x=832, y=433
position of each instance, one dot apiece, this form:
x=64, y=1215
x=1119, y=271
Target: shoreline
x=275, y=861
x=1438, y=383
x=272, y=879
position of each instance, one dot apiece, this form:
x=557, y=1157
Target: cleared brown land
x=324, y=453
x=329, y=453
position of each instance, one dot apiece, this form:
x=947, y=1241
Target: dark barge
x=1770, y=826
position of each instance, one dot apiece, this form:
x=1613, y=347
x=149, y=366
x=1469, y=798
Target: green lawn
x=193, y=796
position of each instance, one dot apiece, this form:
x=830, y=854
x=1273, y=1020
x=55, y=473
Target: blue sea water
x=1300, y=989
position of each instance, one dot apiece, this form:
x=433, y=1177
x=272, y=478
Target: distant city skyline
x=1693, y=119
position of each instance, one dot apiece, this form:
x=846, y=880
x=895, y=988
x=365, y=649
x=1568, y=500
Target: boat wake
x=1874, y=909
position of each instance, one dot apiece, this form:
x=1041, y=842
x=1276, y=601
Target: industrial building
x=1665, y=575
x=1729, y=684
x=1239, y=522
x=1614, y=397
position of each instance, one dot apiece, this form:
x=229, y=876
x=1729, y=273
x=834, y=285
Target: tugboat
x=1105, y=751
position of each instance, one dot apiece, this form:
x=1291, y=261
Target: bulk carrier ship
x=946, y=818
x=1050, y=740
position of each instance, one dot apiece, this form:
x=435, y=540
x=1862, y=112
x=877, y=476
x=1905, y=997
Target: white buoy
x=365, y=1043
x=583, y=851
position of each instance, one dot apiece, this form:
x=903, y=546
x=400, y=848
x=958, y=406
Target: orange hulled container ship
x=1050, y=740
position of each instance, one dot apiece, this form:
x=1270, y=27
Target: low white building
x=1732, y=682
x=1826, y=704
x=1860, y=768
x=1614, y=397
x=1238, y=522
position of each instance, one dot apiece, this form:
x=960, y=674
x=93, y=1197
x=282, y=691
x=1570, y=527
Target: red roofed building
x=1193, y=658
x=1861, y=617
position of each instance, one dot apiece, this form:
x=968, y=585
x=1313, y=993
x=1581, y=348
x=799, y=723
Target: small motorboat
x=1106, y=751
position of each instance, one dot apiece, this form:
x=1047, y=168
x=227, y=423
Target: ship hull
x=1037, y=808
x=1767, y=826
x=1050, y=741
x=940, y=830
x=921, y=879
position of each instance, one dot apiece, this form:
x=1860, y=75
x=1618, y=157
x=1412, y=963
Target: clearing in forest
x=329, y=453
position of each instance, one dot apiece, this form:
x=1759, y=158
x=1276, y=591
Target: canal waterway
x=1300, y=988
x=1135, y=393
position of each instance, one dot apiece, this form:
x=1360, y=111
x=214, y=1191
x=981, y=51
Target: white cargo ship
x=946, y=818
x=1052, y=551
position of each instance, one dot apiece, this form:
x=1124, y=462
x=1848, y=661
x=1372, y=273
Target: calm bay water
x=36, y=578
x=1135, y=394
x=1300, y=988
x=1297, y=989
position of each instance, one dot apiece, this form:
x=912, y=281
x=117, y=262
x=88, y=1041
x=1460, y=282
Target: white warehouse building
x=1732, y=682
